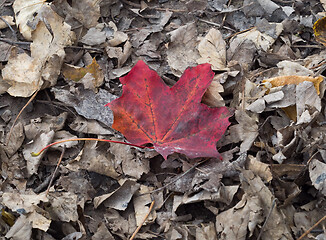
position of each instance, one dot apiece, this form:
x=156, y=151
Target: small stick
x=12, y=30
x=310, y=229
x=85, y=139
x=55, y=170
x=269, y=214
x=20, y=112
x=139, y=227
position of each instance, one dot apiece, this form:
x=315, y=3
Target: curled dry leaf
x=172, y=119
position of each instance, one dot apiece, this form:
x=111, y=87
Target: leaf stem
x=85, y=139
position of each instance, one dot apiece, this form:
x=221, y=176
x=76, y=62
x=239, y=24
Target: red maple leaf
x=172, y=119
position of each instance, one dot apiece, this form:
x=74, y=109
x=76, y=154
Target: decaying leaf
x=172, y=119
x=90, y=76
x=320, y=30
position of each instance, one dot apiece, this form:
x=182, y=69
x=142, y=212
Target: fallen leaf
x=286, y=80
x=87, y=103
x=63, y=206
x=102, y=233
x=94, y=36
x=141, y=204
x=317, y=173
x=182, y=51
x=90, y=76
x=320, y=30
x=261, y=169
x=212, y=49
x=86, y=12
x=172, y=119
x=96, y=158
x=237, y=221
x=24, y=14
x=34, y=146
x=16, y=140
x=120, y=198
x=26, y=74
x=21, y=230
x=80, y=124
x=22, y=201
x=246, y=131
x=130, y=164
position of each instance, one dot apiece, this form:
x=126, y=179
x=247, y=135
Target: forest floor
x=61, y=62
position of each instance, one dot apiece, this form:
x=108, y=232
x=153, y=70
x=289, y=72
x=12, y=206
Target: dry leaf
x=286, y=80
x=25, y=13
x=246, y=131
x=40, y=141
x=120, y=198
x=259, y=168
x=63, y=206
x=317, y=173
x=21, y=230
x=90, y=76
x=95, y=157
x=141, y=206
x=25, y=74
x=212, y=49
x=94, y=36
x=320, y=30
x=182, y=52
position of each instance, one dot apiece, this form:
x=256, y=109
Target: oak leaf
x=172, y=119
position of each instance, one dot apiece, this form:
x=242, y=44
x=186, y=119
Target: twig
x=20, y=112
x=155, y=8
x=45, y=183
x=176, y=179
x=307, y=46
x=139, y=227
x=312, y=157
x=237, y=33
x=85, y=48
x=55, y=170
x=6, y=40
x=268, y=215
x=310, y=229
x=216, y=25
x=11, y=29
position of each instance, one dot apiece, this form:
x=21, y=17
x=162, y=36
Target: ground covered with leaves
x=61, y=62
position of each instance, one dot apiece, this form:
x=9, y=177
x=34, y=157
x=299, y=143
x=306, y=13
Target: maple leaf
x=172, y=119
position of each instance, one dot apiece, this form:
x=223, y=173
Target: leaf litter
x=268, y=61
